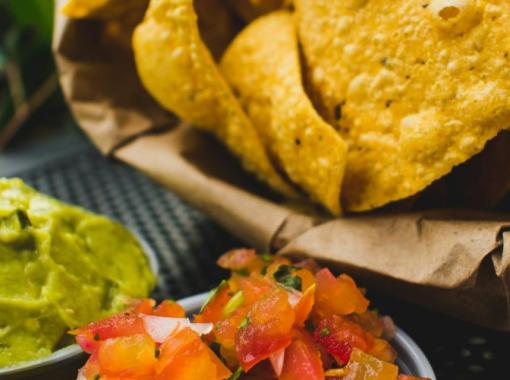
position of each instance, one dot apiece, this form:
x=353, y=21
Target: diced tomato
x=277, y=262
x=127, y=356
x=339, y=336
x=238, y=259
x=267, y=329
x=183, y=356
x=144, y=306
x=370, y=321
x=337, y=295
x=118, y=325
x=382, y=350
x=302, y=360
x=225, y=331
x=253, y=287
x=304, y=306
x=169, y=308
x=213, y=311
x=90, y=370
x=365, y=367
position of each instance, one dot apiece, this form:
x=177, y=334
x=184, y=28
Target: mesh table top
x=187, y=244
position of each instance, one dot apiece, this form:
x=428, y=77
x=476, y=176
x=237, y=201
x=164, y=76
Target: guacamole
x=60, y=267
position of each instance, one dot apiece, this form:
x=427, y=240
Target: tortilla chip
x=414, y=86
x=251, y=9
x=102, y=9
x=179, y=71
x=262, y=66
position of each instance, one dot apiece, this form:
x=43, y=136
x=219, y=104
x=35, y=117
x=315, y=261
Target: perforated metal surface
x=187, y=244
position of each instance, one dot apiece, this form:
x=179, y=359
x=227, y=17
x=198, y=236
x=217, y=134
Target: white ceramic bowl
x=63, y=363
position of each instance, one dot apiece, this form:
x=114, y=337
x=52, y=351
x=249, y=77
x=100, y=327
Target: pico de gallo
x=272, y=319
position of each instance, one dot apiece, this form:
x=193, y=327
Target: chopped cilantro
x=324, y=332
x=263, y=271
x=293, y=282
x=244, y=323
x=284, y=271
x=242, y=272
x=310, y=326
x=284, y=276
x=237, y=374
x=267, y=257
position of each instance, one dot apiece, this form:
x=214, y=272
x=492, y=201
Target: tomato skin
x=127, y=356
x=302, y=361
x=338, y=296
x=238, y=259
x=339, y=336
x=268, y=329
x=118, y=325
x=254, y=287
x=144, y=306
x=304, y=306
x=213, y=311
x=169, y=308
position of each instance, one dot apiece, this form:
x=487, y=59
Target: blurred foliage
x=27, y=69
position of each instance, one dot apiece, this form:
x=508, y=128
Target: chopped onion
x=159, y=328
x=277, y=359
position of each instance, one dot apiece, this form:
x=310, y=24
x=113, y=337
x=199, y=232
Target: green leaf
x=293, y=282
x=237, y=374
x=245, y=322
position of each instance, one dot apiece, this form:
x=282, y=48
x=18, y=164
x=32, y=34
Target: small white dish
x=63, y=362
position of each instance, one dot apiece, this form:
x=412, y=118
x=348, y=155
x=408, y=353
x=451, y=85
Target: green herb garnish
x=284, y=276
x=244, y=323
x=234, y=303
x=242, y=272
x=324, y=332
x=309, y=326
x=237, y=374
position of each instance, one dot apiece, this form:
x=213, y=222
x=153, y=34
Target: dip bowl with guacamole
x=61, y=267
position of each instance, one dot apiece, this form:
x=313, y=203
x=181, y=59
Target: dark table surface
x=187, y=243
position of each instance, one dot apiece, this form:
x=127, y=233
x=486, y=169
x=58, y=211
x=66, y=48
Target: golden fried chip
x=262, y=66
x=102, y=9
x=414, y=86
x=251, y=9
x=179, y=71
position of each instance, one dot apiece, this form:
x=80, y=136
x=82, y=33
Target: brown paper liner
x=454, y=261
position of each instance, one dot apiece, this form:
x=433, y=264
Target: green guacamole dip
x=61, y=267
